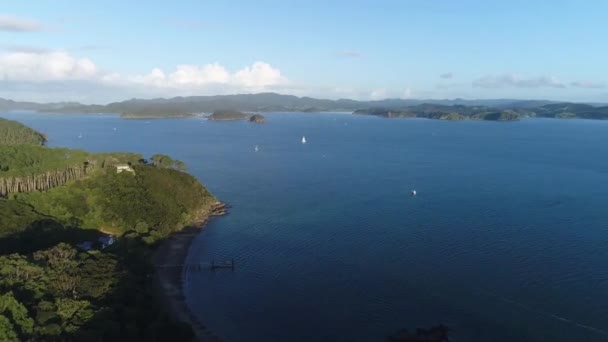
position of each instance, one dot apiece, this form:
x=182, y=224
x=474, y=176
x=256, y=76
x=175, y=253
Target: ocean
x=506, y=240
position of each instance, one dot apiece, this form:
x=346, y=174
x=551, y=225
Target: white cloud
x=46, y=66
x=260, y=74
x=194, y=75
x=588, y=84
x=447, y=75
x=43, y=66
x=378, y=94
x=16, y=24
x=23, y=48
x=510, y=80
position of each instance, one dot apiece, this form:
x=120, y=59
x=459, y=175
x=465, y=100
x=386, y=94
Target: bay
x=507, y=239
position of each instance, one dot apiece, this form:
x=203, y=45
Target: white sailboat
x=80, y=136
x=303, y=140
x=256, y=148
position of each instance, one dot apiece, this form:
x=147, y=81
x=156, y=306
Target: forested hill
x=16, y=133
x=262, y=102
x=54, y=200
x=510, y=113
x=491, y=109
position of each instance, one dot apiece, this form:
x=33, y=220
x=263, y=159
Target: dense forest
x=442, y=112
x=16, y=133
x=26, y=168
x=219, y=115
x=52, y=291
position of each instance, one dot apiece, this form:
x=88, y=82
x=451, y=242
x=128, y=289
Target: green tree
x=7, y=331
x=17, y=314
x=73, y=313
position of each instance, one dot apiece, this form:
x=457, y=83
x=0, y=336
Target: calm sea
x=507, y=239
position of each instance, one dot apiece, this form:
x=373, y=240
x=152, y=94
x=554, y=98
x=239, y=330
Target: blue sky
x=102, y=51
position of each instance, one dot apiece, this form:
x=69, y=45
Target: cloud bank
x=45, y=67
x=588, y=84
x=15, y=24
x=510, y=80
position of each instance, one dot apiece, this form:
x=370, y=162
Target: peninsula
x=450, y=113
x=78, y=235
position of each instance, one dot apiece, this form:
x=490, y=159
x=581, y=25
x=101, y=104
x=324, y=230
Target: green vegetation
x=178, y=107
x=441, y=112
x=222, y=115
x=164, y=161
x=257, y=118
x=16, y=133
x=26, y=168
x=58, y=198
x=155, y=111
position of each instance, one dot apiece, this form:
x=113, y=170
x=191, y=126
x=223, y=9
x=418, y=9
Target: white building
x=124, y=167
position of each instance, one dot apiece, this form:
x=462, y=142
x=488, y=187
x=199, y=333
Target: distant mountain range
x=271, y=102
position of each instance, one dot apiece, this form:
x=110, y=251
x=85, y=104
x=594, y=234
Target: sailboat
x=303, y=140
x=80, y=136
x=256, y=148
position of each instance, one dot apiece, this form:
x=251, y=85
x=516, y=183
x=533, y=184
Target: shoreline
x=169, y=281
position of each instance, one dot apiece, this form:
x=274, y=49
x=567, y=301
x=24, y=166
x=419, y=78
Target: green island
x=502, y=113
x=155, y=112
x=80, y=234
x=257, y=118
x=233, y=115
x=443, y=112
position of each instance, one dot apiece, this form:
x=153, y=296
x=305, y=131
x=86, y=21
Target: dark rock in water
x=257, y=118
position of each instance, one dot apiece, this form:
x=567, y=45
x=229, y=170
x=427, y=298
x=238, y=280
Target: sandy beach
x=169, y=259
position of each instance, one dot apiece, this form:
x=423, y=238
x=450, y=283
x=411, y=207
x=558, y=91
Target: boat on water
x=414, y=193
x=303, y=140
x=256, y=148
x=80, y=136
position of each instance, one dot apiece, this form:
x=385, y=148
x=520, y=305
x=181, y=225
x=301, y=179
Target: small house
x=106, y=240
x=124, y=167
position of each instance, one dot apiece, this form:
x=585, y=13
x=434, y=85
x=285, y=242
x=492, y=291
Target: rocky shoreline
x=169, y=259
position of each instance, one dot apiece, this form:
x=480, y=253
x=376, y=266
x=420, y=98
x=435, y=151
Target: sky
x=102, y=51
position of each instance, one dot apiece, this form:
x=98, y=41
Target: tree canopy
x=55, y=199
x=16, y=133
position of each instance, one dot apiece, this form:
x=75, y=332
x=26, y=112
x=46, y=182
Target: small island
x=257, y=118
x=227, y=115
x=234, y=115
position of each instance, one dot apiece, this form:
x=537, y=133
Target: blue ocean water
x=507, y=239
